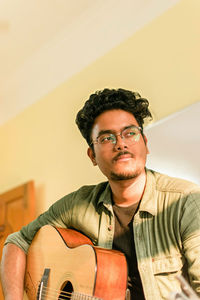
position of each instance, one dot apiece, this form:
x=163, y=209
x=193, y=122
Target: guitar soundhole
x=67, y=290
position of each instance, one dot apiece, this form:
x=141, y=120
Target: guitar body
x=72, y=268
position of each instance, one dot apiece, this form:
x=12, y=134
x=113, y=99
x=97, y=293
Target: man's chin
x=123, y=176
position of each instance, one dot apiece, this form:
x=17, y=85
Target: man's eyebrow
x=101, y=132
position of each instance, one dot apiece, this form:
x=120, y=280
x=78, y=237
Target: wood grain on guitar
x=63, y=264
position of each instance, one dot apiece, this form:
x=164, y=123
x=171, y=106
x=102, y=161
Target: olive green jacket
x=166, y=229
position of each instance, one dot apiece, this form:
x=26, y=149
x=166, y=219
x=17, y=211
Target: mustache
x=120, y=154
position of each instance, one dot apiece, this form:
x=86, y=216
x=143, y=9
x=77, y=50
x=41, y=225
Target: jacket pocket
x=167, y=264
x=165, y=269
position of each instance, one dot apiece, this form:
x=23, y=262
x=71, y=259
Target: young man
x=152, y=218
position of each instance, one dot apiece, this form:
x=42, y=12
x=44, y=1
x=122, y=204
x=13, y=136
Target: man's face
x=121, y=160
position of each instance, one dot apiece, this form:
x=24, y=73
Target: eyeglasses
x=130, y=135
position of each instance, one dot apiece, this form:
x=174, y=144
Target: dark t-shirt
x=124, y=242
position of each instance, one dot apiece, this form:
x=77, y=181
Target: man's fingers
x=187, y=288
x=178, y=296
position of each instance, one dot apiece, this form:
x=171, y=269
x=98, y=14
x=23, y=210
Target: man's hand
x=187, y=292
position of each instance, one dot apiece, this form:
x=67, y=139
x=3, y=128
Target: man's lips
x=122, y=156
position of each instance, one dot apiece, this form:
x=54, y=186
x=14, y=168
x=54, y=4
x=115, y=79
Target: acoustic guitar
x=64, y=264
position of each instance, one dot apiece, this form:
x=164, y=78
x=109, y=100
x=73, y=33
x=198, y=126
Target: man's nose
x=120, y=143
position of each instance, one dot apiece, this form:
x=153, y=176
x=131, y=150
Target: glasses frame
x=116, y=135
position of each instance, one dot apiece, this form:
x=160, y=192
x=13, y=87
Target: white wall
x=174, y=144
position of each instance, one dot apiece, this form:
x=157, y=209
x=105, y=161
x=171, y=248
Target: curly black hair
x=109, y=99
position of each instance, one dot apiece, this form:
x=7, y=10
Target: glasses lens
x=131, y=134
x=107, y=138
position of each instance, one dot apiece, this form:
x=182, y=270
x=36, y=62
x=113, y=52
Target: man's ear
x=90, y=153
x=145, y=140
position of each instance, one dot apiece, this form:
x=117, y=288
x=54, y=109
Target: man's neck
x=128, y=192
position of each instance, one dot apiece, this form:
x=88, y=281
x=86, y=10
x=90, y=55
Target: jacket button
x=109, y=227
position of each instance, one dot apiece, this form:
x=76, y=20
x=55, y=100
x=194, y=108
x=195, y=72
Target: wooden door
x=17, y=208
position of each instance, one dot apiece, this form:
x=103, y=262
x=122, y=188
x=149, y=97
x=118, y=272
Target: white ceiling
x=43, y=43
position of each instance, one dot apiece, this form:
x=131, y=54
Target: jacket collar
x=148, y=201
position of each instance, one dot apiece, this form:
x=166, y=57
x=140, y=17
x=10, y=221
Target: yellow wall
x=161, y=61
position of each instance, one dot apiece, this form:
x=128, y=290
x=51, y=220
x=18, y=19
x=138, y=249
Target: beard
x=123, y=176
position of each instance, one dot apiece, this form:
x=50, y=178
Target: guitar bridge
x=43, y=284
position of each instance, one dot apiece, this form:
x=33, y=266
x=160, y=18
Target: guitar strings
x=55, y=292
x=52, y=293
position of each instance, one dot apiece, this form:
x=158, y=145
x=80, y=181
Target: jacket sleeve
x=57, y=215
x=190, y=234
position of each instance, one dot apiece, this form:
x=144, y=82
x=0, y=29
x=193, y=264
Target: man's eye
x=130, y=133
x=106, y=139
